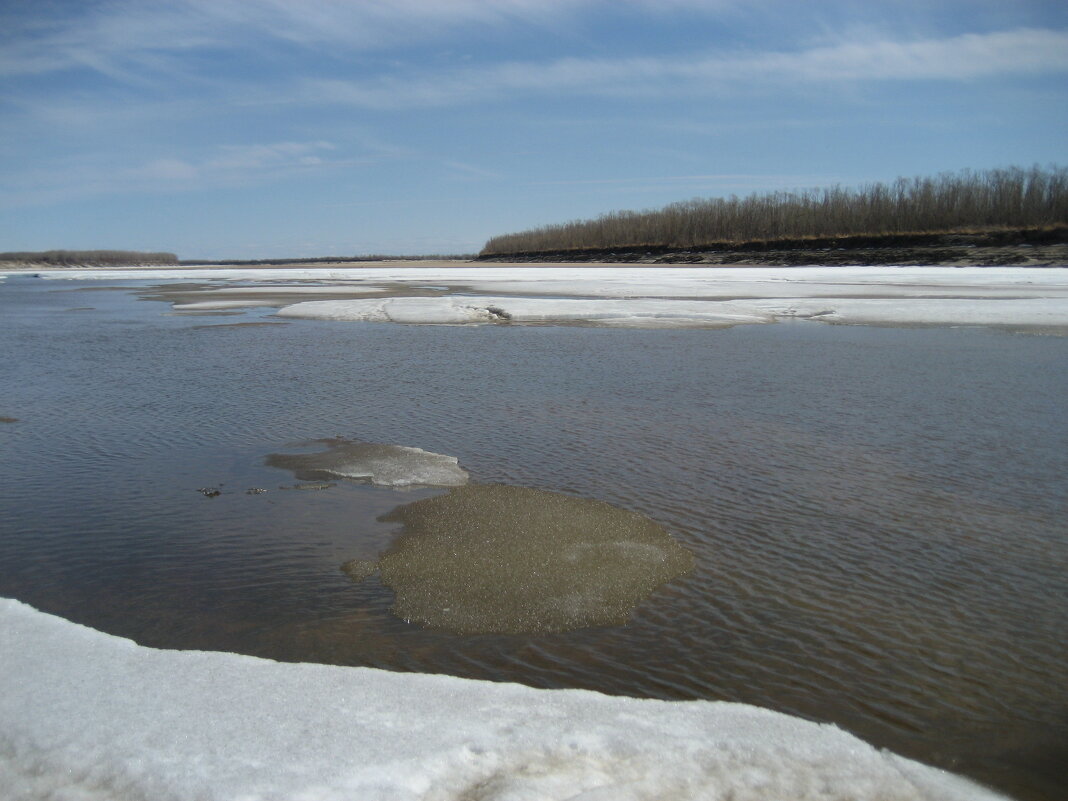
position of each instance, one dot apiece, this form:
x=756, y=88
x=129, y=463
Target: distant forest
x=967, y=201
x=89, y=258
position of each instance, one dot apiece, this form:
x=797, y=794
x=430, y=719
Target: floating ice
x=89, y=716
x=467, y=310
x=220, y=305
x=383, y=465
x=495, y=558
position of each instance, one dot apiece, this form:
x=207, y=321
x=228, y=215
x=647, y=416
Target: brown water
x=878, y=515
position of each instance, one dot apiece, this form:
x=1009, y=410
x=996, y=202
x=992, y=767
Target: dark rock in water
x=501, y=559
x=210, y=492
x=9, y=419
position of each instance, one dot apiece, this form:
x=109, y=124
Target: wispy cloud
x=228, y=165
x=726, y=180
x=964, y=57
x=471, y=171
x=231, y=163
x=123, y=38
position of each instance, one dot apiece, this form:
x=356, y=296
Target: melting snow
x=657, y=297
x=89, y=716
x=383, y=465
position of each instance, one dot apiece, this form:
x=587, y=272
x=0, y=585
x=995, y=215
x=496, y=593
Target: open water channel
x=878, y=515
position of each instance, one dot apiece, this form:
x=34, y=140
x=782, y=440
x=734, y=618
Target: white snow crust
x=220, y=305
x=661, y=297
x=457, y=310
x=87, y=716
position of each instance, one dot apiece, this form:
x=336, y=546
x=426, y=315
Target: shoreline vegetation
x=990, y=217
x=1021, y=247
x=1001, y=217
x=51, y=259
x=89, y=258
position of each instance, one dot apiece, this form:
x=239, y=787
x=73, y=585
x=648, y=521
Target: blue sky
x=260, y=128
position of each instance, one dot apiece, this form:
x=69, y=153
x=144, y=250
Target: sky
x=244, y=129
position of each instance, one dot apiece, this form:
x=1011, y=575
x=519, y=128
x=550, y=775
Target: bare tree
x=972, y=201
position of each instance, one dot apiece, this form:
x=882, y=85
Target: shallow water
x=877, y=514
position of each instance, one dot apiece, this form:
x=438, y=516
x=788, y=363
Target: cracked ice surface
x=91, y=716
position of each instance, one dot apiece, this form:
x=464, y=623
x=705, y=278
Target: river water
x=878, y=515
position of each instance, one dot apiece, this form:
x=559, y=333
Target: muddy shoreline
x=1023, y=248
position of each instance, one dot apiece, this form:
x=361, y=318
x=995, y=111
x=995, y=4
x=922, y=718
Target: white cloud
x=965, y=57
x=470, y=171
x=725, y=180
x=122, y=38
x=260, y=157
x=167, y=170
x=228, y=165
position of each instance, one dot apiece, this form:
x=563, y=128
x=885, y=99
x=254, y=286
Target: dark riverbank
x=1021, y=247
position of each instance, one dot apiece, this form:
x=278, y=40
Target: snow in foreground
x=85, y=715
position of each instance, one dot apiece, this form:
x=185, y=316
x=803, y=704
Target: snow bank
x=725, y=283
x=655, y=297
x=1029, y=312
x=663, y=313
x=88, y=716
x=458, y=310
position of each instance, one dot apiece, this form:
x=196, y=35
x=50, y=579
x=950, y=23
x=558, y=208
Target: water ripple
x=877, y=515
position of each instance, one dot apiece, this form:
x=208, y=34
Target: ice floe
x=382, y=465
x=89, y=716
x=459, y=310
x=220, y=305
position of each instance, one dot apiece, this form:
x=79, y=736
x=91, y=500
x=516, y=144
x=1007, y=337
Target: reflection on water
x=877, y=515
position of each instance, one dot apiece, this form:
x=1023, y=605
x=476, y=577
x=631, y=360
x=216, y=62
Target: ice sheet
x=1030, y=312
x=220, y=305
x=382, y=465
x=459, y=310
x=663, y=313
x=622, y=281
x=88, y=716
x=669, y=296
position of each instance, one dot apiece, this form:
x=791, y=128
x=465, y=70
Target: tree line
x=972, y=201
x=89, y=258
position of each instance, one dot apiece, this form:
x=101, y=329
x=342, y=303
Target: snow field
x=650, y=297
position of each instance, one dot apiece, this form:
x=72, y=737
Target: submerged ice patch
x=502, y=559
x=382, y=465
